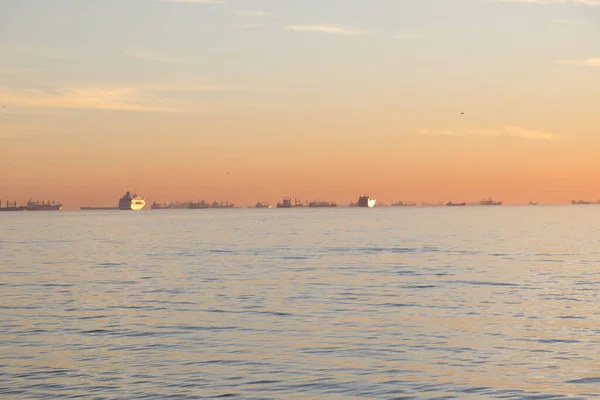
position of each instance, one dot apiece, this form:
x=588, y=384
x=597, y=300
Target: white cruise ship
x=129, y=202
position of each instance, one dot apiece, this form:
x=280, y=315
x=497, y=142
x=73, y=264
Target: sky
x=254, y=100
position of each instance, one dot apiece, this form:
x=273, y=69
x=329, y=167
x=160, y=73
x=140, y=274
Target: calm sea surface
x=476, y=302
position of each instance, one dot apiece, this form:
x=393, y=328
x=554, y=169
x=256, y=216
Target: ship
x=287, y=203
x=425, y=204
x=489, y=202
x=199, y=205
x=261, y=204
x=403, y=204
x=366, y=201
x=227, y=204
x=158, y=206
x=129, y=202
x=451, y=204
x=533, y=203
x=322, y=204
x=12, y=207
x=171, y=206
x=41, y=206
x=579, y=202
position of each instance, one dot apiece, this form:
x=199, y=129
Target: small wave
x=585, y=381
x=487, y=283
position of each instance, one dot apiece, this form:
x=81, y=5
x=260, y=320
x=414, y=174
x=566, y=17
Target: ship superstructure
x=366, y=201
x=129, y=202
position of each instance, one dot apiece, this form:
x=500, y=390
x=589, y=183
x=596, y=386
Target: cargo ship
x=41, y=206
x=227, y=204
x=322, y=204
x=261, y=204
x=403, y=204
x=12, y=207
x=287, y=203
x=451, y=204
x=579, y=202
x=425, y=204
x=171, y=206
x=201, y=205
x=489, y=202
x=129, y=202
x=366, y=201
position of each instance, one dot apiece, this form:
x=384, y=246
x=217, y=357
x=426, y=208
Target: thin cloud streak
x=338, y=30
x=591, y=62
x=144, y=98
x=140, y=55
x=413, y=36
x=511, y=131
x=250, y=13
x=251, y=26
x=588, y=3
x=192, y=1
x=567, y=21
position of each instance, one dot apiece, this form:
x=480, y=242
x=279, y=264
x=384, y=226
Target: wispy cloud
x=192, y=1
x=590, y=62
x=14, y=71
x=141, y=55
x=566, y=21
x=252, y=13
x=251, y=26
x=513, y=131
x=338, y=30
x=412, y=36
x=588, y=3
x=109, y=97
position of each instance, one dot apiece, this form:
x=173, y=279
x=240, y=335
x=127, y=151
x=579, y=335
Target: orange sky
x=302, y=100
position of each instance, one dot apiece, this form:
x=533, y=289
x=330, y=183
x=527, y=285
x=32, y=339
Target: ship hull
x=135, y=205
x=56, y=207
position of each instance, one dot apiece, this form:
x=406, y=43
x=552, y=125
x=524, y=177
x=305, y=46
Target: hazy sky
x=316, y=99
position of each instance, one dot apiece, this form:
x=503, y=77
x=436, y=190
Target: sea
x=347, y=303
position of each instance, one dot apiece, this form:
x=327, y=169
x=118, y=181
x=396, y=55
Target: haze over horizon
x=260, y=99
